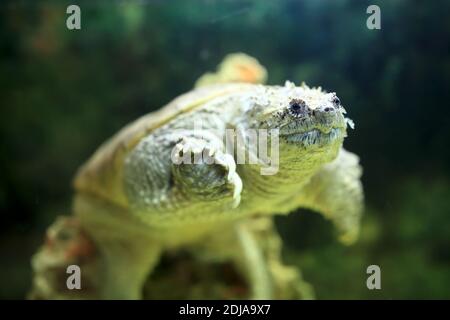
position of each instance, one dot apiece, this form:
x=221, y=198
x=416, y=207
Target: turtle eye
x=297, y=107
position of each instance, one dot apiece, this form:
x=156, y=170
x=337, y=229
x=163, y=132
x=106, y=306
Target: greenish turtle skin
x=137, y=202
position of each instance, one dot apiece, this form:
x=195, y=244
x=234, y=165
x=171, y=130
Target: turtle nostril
x=328, y=109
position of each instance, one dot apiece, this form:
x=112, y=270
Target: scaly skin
x=222, y=211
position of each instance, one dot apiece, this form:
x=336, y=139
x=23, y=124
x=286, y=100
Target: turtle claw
x=237, y=189
x=215, y=169
x=233, y=178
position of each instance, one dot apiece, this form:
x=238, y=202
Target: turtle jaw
x=316, y=130
x=315, y=136
x=311, y=141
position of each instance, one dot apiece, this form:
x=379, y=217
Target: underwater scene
x=225, y=149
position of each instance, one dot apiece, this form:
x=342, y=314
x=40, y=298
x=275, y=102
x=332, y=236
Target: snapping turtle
x=167, y=183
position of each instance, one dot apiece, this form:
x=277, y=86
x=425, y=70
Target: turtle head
x=310, y=123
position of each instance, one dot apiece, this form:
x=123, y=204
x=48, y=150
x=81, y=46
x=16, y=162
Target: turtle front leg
x=176, y=170
x=204, y=172
x=336, y=191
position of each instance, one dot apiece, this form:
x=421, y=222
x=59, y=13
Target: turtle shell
x=102, y=174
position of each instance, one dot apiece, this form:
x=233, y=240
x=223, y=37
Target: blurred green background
x=64, y=92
